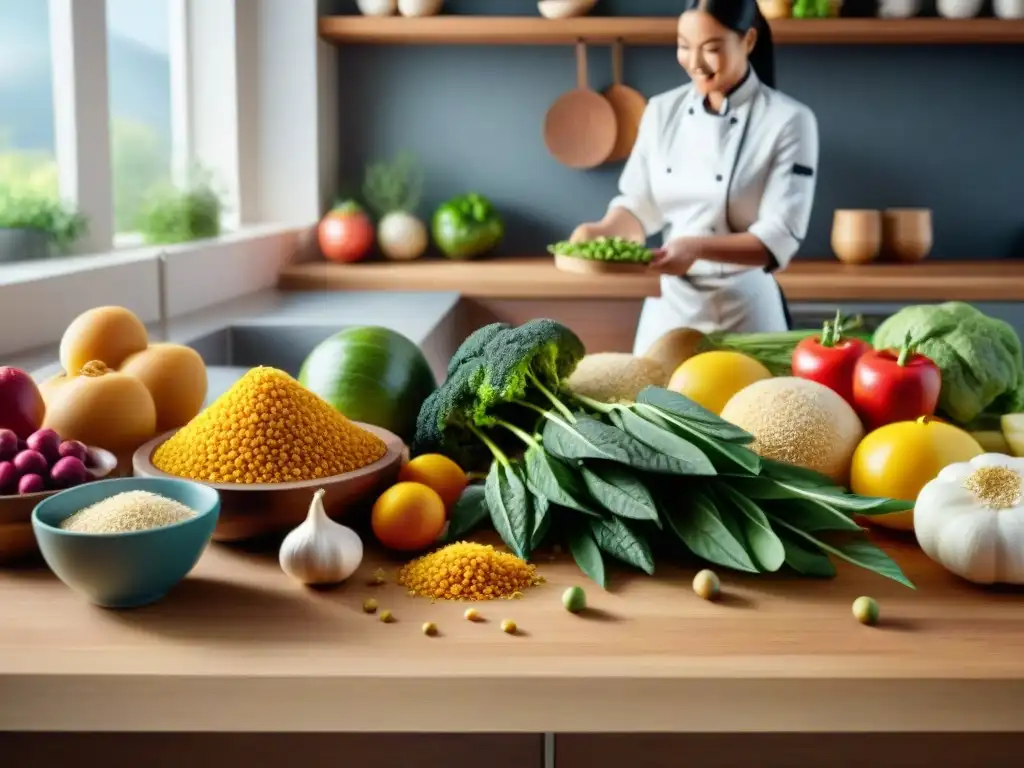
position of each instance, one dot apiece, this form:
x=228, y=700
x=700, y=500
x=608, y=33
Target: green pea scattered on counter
x=612, y=249
x=865, y=610
x=707, y=585
x=574, y=599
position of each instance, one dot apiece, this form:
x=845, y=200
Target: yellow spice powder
x=267, y=428
x=468, y=571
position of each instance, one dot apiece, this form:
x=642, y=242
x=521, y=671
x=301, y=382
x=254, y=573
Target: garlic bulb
x=320, y=551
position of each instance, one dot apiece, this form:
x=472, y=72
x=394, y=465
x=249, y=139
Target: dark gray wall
x=939, y=127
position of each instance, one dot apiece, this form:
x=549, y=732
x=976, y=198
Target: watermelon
x=373, y=375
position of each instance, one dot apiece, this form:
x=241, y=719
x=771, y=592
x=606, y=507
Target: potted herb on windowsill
x=33, y=226
x=181, y=214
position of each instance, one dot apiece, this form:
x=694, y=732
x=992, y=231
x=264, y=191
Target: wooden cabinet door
x=314, y=750
x=788, y=750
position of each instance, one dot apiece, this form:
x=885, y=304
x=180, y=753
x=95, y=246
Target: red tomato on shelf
x=346, y=234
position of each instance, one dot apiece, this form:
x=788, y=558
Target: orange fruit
x=408, y=517
x=437, y=472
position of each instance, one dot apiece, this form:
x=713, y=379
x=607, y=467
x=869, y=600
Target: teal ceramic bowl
x=125, y=570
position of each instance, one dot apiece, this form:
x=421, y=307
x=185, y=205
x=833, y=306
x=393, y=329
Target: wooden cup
x=856, y=235
x=907, y=233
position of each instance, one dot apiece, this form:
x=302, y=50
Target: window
x=139, y=71
x=27, y=163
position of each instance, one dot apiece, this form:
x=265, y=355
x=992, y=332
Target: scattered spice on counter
x=509, y=627
x=369, y=605
x=865, y=610
x=468, y=571
x=472, y=614
x=128, y=511
x=707, y=585
x=379, y=578
x=267, y=428
x=387, y=617
x=429, y=629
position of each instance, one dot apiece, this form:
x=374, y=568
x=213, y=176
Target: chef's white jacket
x=751, y=167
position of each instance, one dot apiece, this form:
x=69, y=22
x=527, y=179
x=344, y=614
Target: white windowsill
x=38, y=299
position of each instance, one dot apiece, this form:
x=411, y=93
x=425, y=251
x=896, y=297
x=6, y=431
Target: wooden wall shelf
x=654, y=31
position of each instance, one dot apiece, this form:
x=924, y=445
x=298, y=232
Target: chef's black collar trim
x=737, y=95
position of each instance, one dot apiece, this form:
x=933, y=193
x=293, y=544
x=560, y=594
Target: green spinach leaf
x=762, y=542
x=620, y=491
x=664, y=441
x=699, y=526
x=468, y=514
x=697, y=416
x=859, y=551
x=725, y=456
x=615, y=537
x=586, y=553
x=592, y=439
x=813, y=515
x=789, y=473
x=556, y=480
x=542, y=515
x=509, y=503
x=807, y=563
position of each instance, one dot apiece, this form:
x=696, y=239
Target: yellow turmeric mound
x=267, y=428
x=468, y=571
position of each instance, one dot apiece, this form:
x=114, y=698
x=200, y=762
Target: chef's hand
x=587, y=232
x=675, y=257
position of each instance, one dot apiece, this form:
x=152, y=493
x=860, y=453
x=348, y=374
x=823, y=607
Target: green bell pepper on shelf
x=812, y=9
x=467, y=226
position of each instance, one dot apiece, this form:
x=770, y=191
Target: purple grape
x=74, y=449
x=31, y=483
x=30, y=462
x=8, y=478
x=8, y=445
x=46, y=442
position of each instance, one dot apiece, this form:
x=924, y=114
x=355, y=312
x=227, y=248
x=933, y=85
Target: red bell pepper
x=829, y=358
x=895, y=385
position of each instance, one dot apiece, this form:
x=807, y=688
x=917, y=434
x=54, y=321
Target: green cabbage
x=980, y=357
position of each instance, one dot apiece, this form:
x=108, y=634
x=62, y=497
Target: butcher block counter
x=537, y=278
x=238, y=647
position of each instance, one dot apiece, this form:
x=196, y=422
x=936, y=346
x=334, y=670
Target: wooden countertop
x=537, y=278
x=239, y=647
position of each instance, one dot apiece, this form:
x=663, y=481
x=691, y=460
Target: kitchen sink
x=230, y=352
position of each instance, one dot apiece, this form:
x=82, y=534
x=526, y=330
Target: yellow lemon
x=408, y=517
x=712, y=378
x=437, y=472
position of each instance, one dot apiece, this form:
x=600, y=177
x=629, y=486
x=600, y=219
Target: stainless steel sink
x=230, y=352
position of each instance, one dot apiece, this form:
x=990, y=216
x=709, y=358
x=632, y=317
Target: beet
x=30, y=462
x=8, y=478
x=74, y=448
x=69, y=472
x=8, y=444
x=46, y=442
x=31, y=483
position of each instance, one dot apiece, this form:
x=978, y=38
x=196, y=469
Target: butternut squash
x=175, y=376
x=105, y=334
x=102, y=407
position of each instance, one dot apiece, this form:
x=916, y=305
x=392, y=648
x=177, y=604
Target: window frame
x=264, y=126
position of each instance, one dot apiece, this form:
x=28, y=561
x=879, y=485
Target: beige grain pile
x=128, y=511
x=615, y=377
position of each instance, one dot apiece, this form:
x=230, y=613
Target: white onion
x=401, y=236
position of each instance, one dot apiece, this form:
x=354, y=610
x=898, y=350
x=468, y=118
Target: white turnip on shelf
x=393, y=191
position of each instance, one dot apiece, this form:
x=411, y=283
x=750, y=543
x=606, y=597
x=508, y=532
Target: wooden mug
x=907, y=233
x=856, y=235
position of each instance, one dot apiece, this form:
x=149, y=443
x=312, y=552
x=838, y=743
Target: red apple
x=21, y=406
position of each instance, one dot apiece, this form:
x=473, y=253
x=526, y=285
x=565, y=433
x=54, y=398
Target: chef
x=725, y=168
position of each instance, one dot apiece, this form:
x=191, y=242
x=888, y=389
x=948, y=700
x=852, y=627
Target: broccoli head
x=475, y=345
x=443, y=422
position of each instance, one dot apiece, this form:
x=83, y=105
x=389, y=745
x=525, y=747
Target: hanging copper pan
x=580, y=127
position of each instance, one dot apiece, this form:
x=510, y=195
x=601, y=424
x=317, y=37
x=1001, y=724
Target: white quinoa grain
x=129, y=511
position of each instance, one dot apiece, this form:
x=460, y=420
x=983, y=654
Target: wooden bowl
x=565, y=9
x=257, y=510
x=592, y=267
x=907, y=234
x=856, y=235
x=17, y=541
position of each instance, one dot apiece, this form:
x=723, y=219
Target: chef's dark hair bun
x=741, y=16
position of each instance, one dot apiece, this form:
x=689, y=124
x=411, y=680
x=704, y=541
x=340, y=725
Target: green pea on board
x=610, y=249
x=574, y=599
